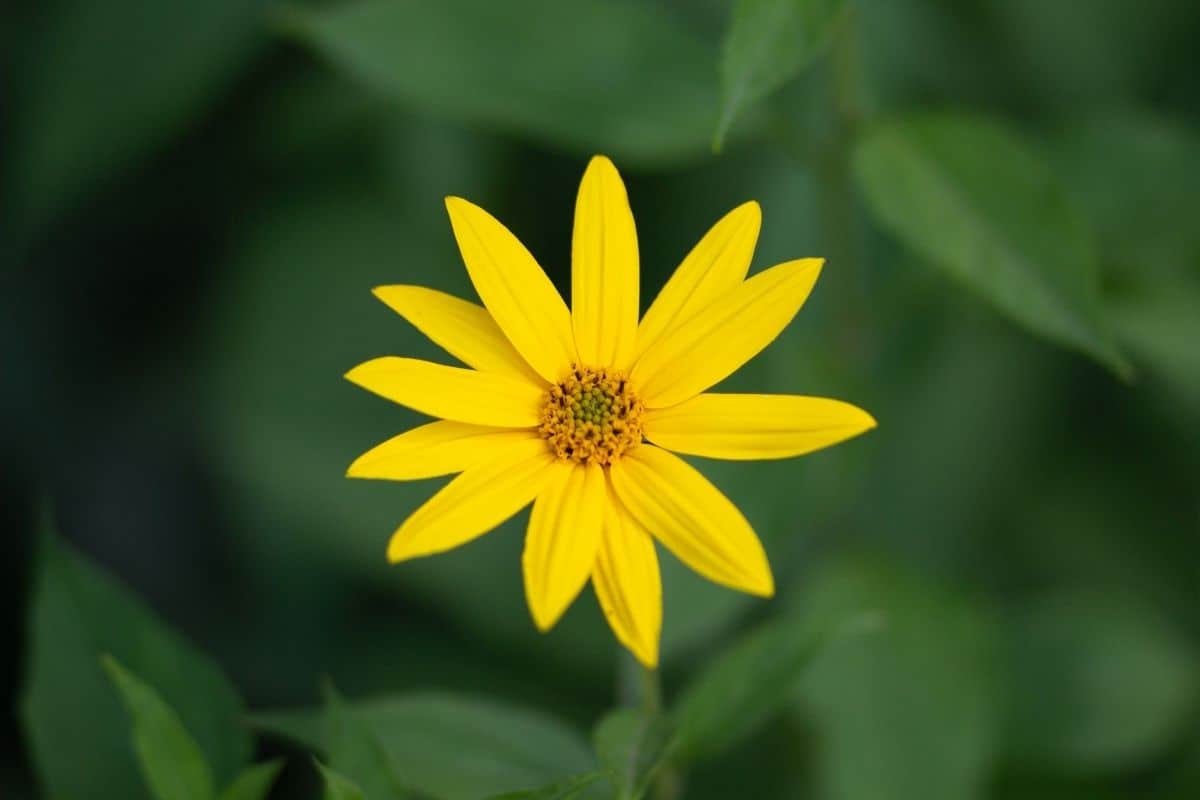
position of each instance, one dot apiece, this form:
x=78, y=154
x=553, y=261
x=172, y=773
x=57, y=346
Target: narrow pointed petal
x=754, y=427
x=627, y=583
x=715, y=266
x=564, y=534
x=439, y=448
x=515, y=290
x=463, y=395
x=461, y=328
x=604, y=269
x=727, y=333
x=692, y=519
x=476, y=501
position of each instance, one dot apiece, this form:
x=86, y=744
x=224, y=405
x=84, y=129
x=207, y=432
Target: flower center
x=592, y=416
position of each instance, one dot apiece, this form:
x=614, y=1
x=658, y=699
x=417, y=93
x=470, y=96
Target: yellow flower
x=577, y=410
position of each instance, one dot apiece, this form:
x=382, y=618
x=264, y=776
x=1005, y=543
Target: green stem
x=651, y=692
x=668, y=783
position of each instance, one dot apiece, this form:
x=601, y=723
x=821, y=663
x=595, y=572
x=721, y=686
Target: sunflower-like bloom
x=581, y=411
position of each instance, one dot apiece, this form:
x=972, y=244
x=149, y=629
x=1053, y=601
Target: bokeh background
x=199, y=195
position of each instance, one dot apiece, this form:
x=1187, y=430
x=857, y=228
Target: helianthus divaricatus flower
x=581, y=411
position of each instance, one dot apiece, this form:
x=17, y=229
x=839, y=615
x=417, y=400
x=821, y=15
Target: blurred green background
x=198, y=195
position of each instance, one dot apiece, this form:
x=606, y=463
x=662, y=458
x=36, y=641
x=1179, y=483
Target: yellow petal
x=464, y=395
x=560, y=546
x=515, y=290
x=727, y=333
x=716, y=266
x=439, y=448
x=475, y=502
x=604, y=269
x=754, y=427
x=461, y=328
x=627, y=583
x=692, y=519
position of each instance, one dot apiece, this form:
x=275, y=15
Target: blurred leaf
x=455, y=747
x=338, y=786
x=966, y=194
x=355, y=750
x=631, y=747
x=71, y=715
x=253, y=783
x=616, y=77
x=1137, y=177
x=1098, y=682
x=752, y=680
x=1160, y=324
x=768, y=43
x=171, y=761
x=104, y=84
x=567, y=789
x=909, y=711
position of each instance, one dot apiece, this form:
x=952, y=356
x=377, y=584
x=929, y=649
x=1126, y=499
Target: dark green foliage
x=632, y=746
x=445, y=745
x=1001, y=225
x=77, y=729
x=171, y=763
x=992, y=595
x=253, y=783
x=768, y=43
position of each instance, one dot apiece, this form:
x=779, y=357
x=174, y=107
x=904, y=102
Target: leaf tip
x=110, y=665
x=1126, y=372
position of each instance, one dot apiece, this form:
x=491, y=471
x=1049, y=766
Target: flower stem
x=668, y=782
x=651, y=692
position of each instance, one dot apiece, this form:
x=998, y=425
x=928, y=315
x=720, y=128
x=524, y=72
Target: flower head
x=577, y=410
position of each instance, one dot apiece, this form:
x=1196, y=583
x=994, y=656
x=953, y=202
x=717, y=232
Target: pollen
x=592, y=417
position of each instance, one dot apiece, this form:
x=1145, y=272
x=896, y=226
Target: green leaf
x=453, y=746
x=1159, y=323
x=171, y=761
x=616, y=77
x=1137, y=178
x=1098, y=682
x=73, y=719
x=567, y=789
x=355, y=750
x=631, y=747
x=90, y=105
x=967, y=194
x=768, y=43
x=338, y=786
x=752, y=680
x=912, y=710
x=253, y=783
